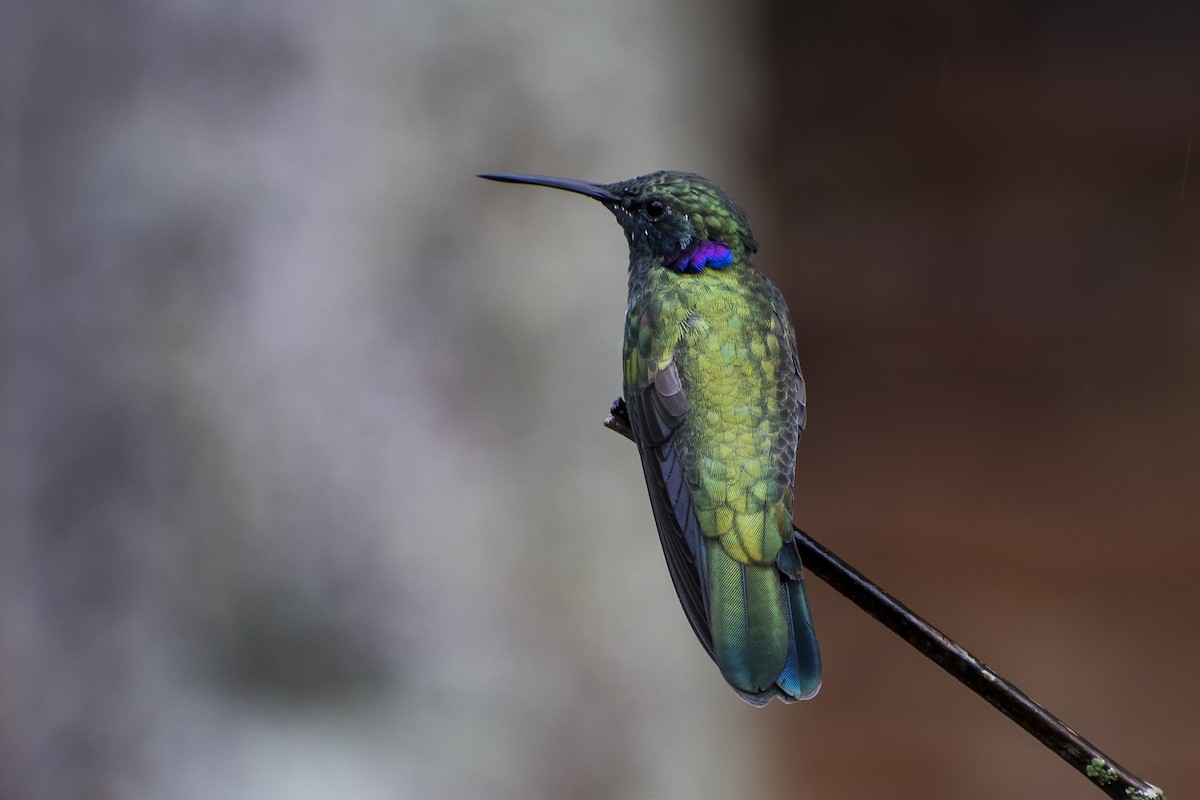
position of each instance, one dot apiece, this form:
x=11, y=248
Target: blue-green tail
x=762, y=633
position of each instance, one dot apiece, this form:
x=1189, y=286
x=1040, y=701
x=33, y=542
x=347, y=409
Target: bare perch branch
x=1113, y=779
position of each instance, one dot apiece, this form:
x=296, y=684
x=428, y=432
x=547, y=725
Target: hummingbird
x=716, y=402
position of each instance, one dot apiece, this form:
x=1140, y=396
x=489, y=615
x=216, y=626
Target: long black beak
x=596, y=191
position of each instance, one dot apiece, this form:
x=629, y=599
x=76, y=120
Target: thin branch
x=1113, y=779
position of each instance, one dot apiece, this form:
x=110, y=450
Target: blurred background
x=303, y=487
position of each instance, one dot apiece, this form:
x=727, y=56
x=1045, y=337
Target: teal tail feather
x=801, y=678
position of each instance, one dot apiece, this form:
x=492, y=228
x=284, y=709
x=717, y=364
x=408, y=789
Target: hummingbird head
x=681, y=220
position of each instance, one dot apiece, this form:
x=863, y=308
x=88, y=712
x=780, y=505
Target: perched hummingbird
x=716, y=402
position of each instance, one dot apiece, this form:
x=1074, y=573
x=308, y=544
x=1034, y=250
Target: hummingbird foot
x=618, y=419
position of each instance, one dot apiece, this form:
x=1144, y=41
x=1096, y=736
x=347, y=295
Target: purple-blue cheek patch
x=706, y=254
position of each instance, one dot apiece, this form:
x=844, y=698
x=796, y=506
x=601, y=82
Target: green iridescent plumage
x=716, y=401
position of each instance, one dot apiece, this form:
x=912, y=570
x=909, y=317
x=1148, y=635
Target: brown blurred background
x=303, y=489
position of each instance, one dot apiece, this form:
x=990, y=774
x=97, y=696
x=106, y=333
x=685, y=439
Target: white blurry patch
x=376, y=384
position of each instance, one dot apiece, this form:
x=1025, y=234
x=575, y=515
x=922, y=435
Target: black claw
x=618, y=419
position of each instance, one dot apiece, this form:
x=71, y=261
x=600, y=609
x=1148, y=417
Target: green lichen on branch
x=1101, y=772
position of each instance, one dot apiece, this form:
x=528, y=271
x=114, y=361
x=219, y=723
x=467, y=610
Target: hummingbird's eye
x=655, y=209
